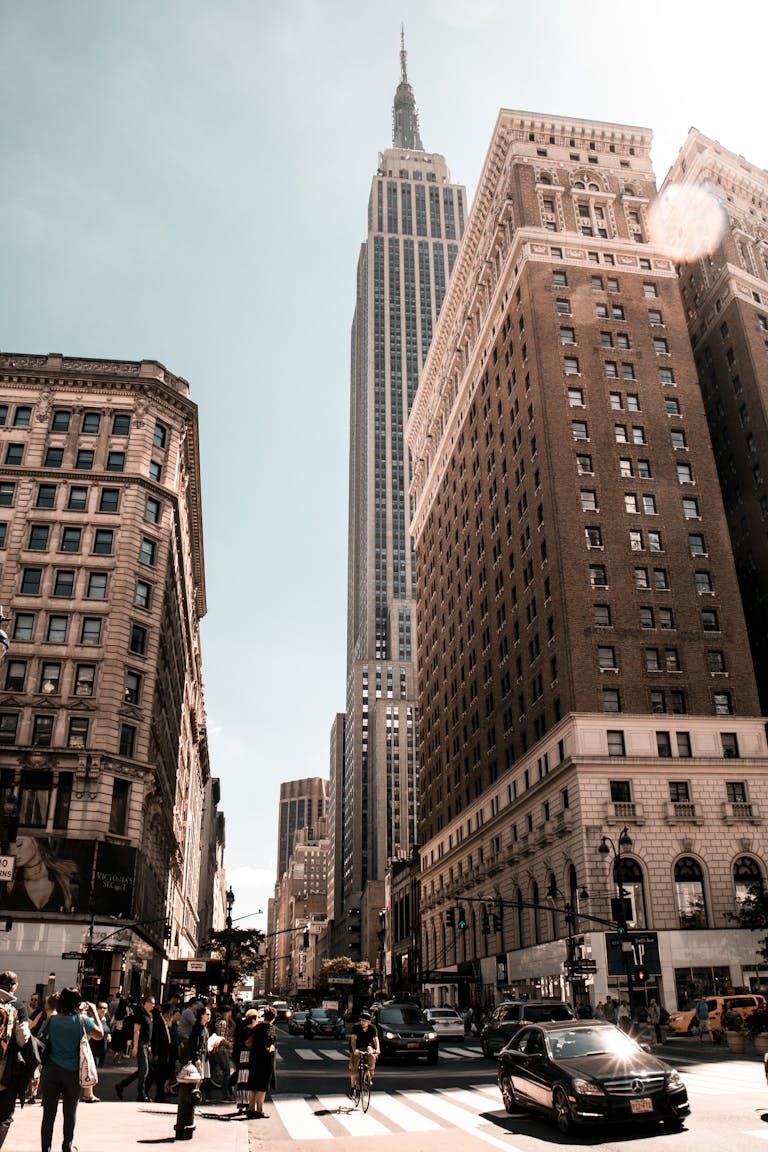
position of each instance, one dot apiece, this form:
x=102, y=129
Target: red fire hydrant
x=188, y=1080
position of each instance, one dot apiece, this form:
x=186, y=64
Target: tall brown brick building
x=583, y=660
x=725, y=293
x=103, y=745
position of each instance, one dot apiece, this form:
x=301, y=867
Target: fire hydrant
x=188, y=1080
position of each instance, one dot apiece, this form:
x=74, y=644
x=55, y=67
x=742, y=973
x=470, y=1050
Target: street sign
x=333, y=979
x=195, y=965
x=72, y=955
x=584, y=966
x=7, y=864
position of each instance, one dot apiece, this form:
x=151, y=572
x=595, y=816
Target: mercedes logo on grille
x=637, y=1086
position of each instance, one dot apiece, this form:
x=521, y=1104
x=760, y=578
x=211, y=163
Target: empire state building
x=415, y=222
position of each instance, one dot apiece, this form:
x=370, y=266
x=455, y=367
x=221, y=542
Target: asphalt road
x=416, y=1107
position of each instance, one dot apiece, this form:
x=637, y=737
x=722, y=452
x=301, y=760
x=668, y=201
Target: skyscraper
x=415, y=222
x=589, y=716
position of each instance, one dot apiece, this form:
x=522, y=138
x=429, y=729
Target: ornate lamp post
x=228, y=951
x=619, y=904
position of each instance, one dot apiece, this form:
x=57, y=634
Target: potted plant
x=757, y=1026
x=735, y=1034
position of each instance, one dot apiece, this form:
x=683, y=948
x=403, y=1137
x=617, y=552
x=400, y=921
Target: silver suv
x=512, y=1015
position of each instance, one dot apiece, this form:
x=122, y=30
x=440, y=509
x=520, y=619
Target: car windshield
x=537, y=1012
x=406, y=1014
x=443, y=1014
x=569, y=1045
x=324, y=1014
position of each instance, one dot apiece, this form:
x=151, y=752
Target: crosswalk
x=315, y=1055
x=723, y=1080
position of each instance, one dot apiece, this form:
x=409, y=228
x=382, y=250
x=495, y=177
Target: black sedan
x=588, y=1072
x=324, y=1022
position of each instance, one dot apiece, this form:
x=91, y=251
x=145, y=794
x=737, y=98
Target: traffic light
x=450, y=918
x=641, y=974
x=486, y=922
x=621, y=931
x=462, y=921
x=306, y=938
x=497, y=922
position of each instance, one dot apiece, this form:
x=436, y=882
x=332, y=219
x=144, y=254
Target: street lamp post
x=228, y=950
x=619, y=904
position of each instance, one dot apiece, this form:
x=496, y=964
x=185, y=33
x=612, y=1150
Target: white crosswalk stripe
x=461, y=1053
x=336, y=1054
x=719, y=1081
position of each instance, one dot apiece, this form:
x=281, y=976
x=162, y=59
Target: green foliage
x=752, y=913
x=245, y=950
x=343, y=966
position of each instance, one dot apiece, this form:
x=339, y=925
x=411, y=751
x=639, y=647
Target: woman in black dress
x=255, y=1059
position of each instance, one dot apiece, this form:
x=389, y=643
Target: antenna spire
x=405, y=118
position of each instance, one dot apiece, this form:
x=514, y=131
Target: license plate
x=414, y=1045
x=644, y=1104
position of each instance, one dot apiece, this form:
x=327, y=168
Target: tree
x=752, y=913
x=360, y=972
x=243, y=947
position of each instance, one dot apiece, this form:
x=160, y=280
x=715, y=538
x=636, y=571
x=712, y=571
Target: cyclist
x=364, y=1039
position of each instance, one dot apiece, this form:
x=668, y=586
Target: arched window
x=520, y=919
x=689, y=892
x=631, y=879
x=579, y=184
x=594, y=187
x=747, y=881
x=535, y=900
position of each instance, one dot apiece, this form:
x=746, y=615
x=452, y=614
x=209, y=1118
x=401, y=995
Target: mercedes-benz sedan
x=588, y=1072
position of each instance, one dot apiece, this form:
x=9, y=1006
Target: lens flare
x=687, y=221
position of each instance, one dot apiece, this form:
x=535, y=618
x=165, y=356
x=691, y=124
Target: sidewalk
x=114, y=1127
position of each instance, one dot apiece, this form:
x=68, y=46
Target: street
x=415, y=1106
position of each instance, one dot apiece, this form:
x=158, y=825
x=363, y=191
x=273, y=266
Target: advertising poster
x=51, y=874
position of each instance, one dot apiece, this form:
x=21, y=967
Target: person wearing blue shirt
x=61, y=1072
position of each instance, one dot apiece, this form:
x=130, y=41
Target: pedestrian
x=14, y=1022
x=61, y=1071
x=99, y=1047
x=609, y=1010
x=702, y=1017
x=198, y=1048
x=186, y=1024
x=623, y=1015
x=121, y=1024
x=254, y=1059
x=164, y=1051
x=654, y=1016
x=141, y=1051
x=599, y=1010
x=221, y=1055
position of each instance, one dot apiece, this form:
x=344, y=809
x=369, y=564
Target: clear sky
x=187, y=181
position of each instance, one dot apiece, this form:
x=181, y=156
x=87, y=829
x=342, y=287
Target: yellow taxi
x=685, y=1020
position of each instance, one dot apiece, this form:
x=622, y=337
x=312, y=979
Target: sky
x=187, y=181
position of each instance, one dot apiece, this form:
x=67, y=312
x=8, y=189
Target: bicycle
x=361, y=1093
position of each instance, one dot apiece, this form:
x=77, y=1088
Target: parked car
x=404, y=1030
x=324, y=1022
x=512, y=1015
x=685, y=1020
x=296, y=1022
x=446, y=1022
x=588, y=1072
x=283, y=1009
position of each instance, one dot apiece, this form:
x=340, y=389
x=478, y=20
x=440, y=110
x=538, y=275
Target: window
x=14, y=454
x=38, y=537
x=649, y=504
x=579, y=430
x=626, y=468
x=696, y=544
x=63, y=800
x=575, y=400
x=77, y=732
x=84, y=459
x=57, y=629
x=571, y=365
x=722, y=701
x=652, y=660
x=658, y=701
x=160, y=436
x=31, y=579
x=64, y=582
x=654, y=542
x=115, y=461
x=606, y=340
x=77, y=499
x=684, y=744
x=597, y=576
x=677, y=437
x=636, y=541
x=85, y=675
x=22, y=416
x=620, y=433
x=15, y=675
x=730, y=745
x=660, y=579
x=102, y=541
x=691, y=508
x=633, y=402
x=601, y=615
x=666, y=619
x=606, y=657
x=646, y=618
x=663, y=745
x=584, y=465
x=23, y=625
x=601, y=311
x=703, y=582
x=615, y=742
x=567, y=335
x=138, y=640
x=679, y=791
x=50, y=678
x=70, y=539
x=121, y=791
x=611, y=369
x=627, y=371
x=715, y=661
x=621, y=791
x=736, y=792
x=654, y=318
x=46, y=496
x=671, y=659
x=641, y=578
x=667, y=378
x=143, y=596
x=661, y=346
x=148, y=552
x=597, y=283
x=8, y=724
x=155, y=471
x=638, y=434
x=127, y=739
x=644, y=468
x=35, y=793
x=649, y=290
x=90, y=631
x=630, y=502
x=611, y=701
x=622, y=341
x=91, y=423
x=121, y=424
x=109, y=500
x=684, y=474
x=60, y=420
x=588, y=500
x=689, y=892
x=42, y=732
x=152, y=511
x=563, y=307
x=617, y=312
x=615, y=402
x=53, y=457
x=97, y=586
x=709, y=621
x=594, y=537
x=132, y=690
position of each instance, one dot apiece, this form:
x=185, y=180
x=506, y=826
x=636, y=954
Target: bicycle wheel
x=356, y=1093
x=365, y=1091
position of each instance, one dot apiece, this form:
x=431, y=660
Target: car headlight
x=390, y=1035
x=674, y=1079
x=587, y=1088
x=429, y=1036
